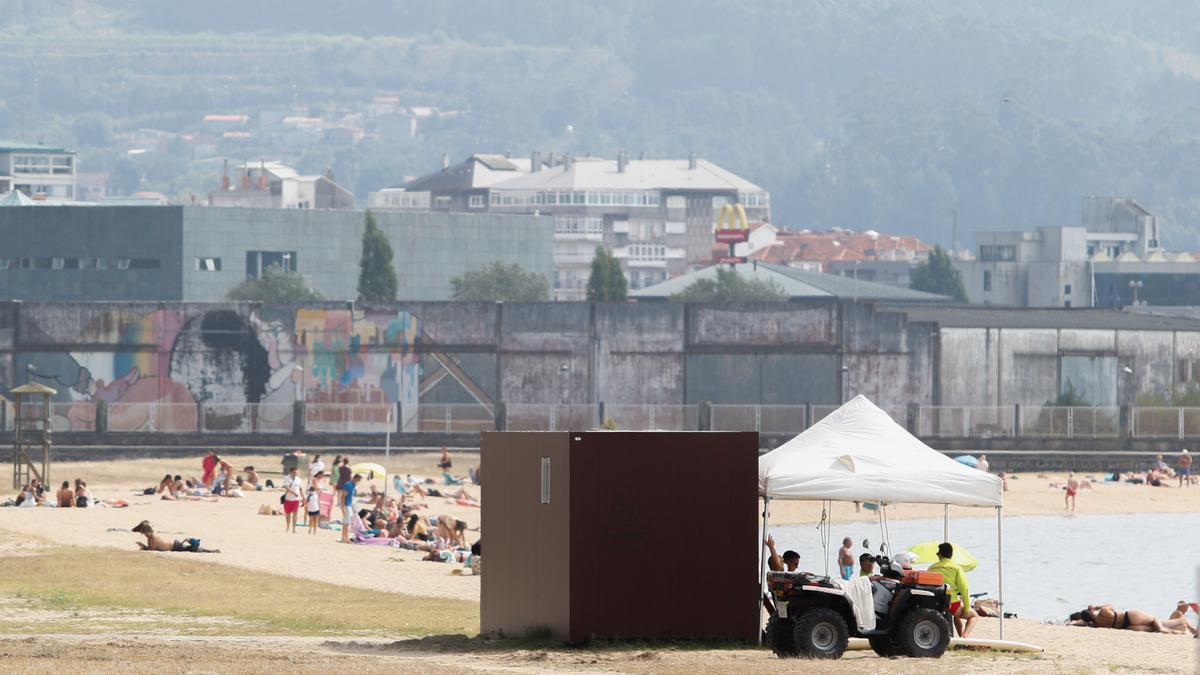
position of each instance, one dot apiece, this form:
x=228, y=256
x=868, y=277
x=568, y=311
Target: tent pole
x=945, y=522
x=1000, y=560
x=762, y=554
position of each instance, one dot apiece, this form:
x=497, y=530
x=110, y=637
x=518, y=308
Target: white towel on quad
x=858, y=593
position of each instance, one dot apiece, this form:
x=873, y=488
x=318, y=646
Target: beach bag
x=476, y=565
x=148, y=491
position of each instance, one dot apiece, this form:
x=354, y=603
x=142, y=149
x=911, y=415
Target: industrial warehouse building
x=164, y=253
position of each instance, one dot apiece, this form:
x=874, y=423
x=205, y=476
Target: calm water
x=1053, y=565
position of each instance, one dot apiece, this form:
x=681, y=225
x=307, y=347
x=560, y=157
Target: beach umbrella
x=927, y=553
x=369, y=470
x=967, y=460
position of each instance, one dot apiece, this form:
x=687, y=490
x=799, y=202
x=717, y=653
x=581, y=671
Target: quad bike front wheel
x=781, y=637
x=924, y=633
x=821, y=634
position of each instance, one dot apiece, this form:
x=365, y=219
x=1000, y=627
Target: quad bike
x=813, y=618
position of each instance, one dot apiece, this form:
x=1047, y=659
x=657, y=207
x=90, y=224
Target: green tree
x=729, y=286
x=376, y=276
x=498, y=282
x=937, y=275
x=275, y=286
x=606, y=282
x=125, y=177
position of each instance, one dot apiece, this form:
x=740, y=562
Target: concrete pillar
x=101, y=417
x=1017, y=420
x=298, y=427
x=1124, y=426
x=501, y=411
x=705, y=415
x=912, y=419
x=808, y=415
x=600, y=412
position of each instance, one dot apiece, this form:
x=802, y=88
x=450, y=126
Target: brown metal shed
x=621, y=534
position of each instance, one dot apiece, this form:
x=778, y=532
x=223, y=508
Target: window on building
x=4, y=263
x=997, y=253
x=1067, y=289
x=25, y=263
x=93, y=264
x=1067, y=304
x=208, y=264
x=987, y=281
x=122, y=263
x=720, y=200
x=145, y=263
x=476, y=202
x=442, y=202
x=257, y=261
x=71, y=263
x=57, y=263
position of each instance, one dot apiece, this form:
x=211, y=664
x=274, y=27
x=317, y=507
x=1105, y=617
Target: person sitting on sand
x=157, y=543
x=28, y=496
x=251, y=481
x=165, y=485
x=65, y=497
x=83, y=496
x=1104, y=616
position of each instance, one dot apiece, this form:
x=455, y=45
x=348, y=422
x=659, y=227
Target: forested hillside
x=894, y=115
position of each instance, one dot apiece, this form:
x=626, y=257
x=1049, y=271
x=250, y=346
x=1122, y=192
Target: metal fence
x=964, y=421
x=551, y=416
x=349, y=418
x=1164, y=422
x=154, y=416
x=265, y=418
x=451, y=417
x=647, y=416
x=1070, y=422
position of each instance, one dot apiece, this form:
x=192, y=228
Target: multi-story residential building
x=39, y=172
x=655, y=215
x=1112, y=259
x=271, y=185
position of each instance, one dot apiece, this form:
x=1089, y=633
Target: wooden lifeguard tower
x=31, y=433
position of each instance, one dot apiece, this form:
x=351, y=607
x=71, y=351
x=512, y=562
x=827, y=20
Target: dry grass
x=95, y=579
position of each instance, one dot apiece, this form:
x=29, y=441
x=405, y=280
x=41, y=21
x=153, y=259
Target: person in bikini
x=157, y=543
x=1104, y=616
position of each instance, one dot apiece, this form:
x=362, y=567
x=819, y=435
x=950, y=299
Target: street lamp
x=1136, y=285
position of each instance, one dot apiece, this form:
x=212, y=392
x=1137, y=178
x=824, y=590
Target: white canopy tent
x=859, y=454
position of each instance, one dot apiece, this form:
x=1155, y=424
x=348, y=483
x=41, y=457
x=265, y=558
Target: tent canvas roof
x=858, y=453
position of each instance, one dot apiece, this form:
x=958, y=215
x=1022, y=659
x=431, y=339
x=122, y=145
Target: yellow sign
x=736, y=217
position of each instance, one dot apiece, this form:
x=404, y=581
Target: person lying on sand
x=157, y=543
x=1104, y=616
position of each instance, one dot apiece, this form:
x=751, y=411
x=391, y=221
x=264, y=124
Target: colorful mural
x=187, y=367
x=355, y=356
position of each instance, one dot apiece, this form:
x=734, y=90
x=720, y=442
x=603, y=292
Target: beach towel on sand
x=451, y=480
x=325, y=503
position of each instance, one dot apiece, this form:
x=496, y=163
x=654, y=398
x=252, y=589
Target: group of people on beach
x=35, y=493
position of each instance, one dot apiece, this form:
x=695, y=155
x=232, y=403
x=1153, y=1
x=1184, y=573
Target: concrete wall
x=1003, y=366
x=416, y=353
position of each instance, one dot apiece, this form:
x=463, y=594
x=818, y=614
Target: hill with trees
x=894, y=115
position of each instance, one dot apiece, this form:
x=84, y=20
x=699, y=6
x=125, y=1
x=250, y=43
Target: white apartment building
x=39, y=172
x=655, y=215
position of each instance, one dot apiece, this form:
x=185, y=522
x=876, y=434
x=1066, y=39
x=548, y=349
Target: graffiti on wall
x=194, y=367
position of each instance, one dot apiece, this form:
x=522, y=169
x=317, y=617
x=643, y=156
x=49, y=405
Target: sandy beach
x=1029, y=494
x=258, y=543
x=247, y=540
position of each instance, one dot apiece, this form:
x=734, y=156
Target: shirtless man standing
x=1185, y=468
x=846, y=559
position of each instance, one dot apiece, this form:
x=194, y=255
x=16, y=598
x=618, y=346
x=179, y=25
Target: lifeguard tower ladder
x=31, y=433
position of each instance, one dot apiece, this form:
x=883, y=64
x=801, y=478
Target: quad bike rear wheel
x=924, y=633
x=821, y=633
x=781, y=636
